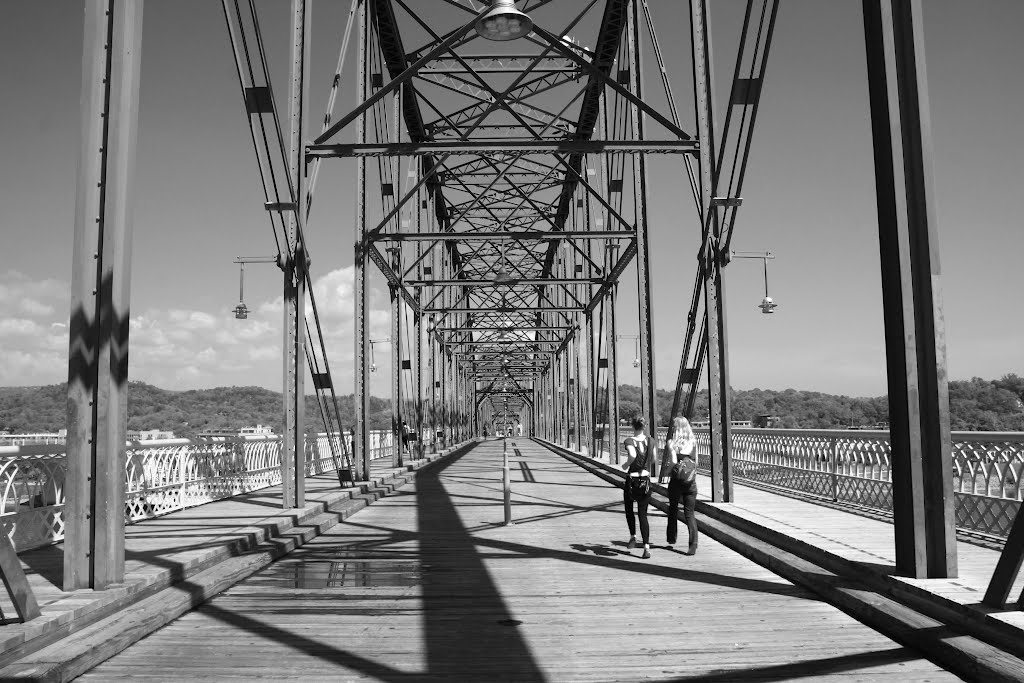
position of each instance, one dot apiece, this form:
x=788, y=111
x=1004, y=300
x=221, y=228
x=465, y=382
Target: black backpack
x=640, y=487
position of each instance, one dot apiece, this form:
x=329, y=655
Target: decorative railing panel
x=855, y=467
x=160, y=477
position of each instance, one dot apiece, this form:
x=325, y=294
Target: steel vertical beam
x=567, y=396
x=718, y=366
x=100, y=295
x=556, y=396
x=396, y=363
x=922, y=473
x=643, y=269
x=293, y=460
x=419, y=380
x=435, y=391
x=592, y=384
x=444, y=395
x=613, y=374
x=361, y=398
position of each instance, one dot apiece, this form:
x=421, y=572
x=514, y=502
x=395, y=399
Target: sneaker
x=669, y=546
x=646, y=555
x=631, y=544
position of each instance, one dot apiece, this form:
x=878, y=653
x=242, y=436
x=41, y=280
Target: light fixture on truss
x=503, y=22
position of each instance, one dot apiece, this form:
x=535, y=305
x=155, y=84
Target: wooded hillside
x=975, y=404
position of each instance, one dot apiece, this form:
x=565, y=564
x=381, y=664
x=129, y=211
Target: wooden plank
x=911, y=296
x=98, y=329
x=1008, y=567
x=14, y=580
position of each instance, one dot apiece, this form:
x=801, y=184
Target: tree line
x=975, y=405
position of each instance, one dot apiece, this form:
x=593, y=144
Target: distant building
x=149, y=434
x=222, y=433
x=8, y=439
x=705, y=424
x=258, y=430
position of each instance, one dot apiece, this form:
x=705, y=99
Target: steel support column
x=445, y=394
x=579, y=406
x=419, y=381
x=397, y=432
x=592, y=384
x=360, y=439
x=613, y=375
x=922, y=474
x=714, y=296
x=293, y=456
x=567, y=400
x=648, y=395
x=100, y=294
x=435, y=391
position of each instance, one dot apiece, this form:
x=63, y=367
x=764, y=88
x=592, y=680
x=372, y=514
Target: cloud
x=22, y=292
x=19, y=327
x=182, y=348
x=33, y=329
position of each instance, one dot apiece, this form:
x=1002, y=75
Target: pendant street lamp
x=767, y=305
x=501, y=275
x=636, y=346
x=503, y=22
x=241, y=310
x=373, y=363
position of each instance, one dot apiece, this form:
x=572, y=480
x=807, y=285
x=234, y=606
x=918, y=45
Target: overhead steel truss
x=506, y=198
x=499, y=186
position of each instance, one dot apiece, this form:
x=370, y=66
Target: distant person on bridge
x=682, y=481
x=637, y=488
x=405, y=437
x=519, y=429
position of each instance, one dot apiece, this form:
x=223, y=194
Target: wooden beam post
x=922, y=473
x=16, y=582
x=100, y=288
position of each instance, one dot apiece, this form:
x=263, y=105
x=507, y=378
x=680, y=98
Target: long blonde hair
x=682, y=433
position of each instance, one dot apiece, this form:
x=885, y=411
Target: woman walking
x=682, y=481
x=637, y=487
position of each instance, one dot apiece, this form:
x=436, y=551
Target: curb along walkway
x=429, y=585
x=195, y=553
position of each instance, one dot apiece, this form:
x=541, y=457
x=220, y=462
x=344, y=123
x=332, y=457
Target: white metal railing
x=160, y=477
x=855, y=467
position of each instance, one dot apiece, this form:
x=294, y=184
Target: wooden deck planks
x=435, y=587
x=162, y=551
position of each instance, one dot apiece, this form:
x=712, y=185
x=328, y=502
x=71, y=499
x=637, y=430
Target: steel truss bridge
x=502, y=192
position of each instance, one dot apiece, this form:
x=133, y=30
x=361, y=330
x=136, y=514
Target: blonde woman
x=682, y=481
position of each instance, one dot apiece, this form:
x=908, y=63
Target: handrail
x=853, y=467
x=161, y=476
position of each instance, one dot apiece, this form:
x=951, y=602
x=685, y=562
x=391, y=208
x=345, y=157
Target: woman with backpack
x=682, y=481
x=637, y=487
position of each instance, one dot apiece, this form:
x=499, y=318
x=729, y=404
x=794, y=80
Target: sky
x=809, y=198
